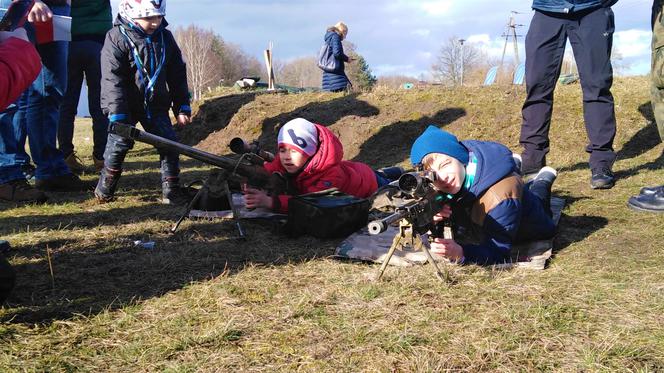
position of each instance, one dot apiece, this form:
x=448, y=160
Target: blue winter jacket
x=498, y=203
x=570, y=6
x=333, y=81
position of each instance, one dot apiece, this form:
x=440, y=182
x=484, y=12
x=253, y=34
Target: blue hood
x=494, y=162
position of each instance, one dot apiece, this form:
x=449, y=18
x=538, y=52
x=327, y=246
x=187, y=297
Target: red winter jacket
x=327, y=169
x=19, y=66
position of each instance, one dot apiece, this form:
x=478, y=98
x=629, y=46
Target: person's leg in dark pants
x=70, y=104
x=545, y=47
x=93, y=81
x=592, y=39
x=172, y=193
x=116, y=150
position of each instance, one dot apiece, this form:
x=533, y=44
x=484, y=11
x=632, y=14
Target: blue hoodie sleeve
x=500, y=228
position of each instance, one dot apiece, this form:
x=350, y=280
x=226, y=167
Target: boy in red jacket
x=311, y=158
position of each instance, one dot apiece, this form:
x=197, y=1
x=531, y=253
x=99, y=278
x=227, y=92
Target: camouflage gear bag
x=326, y=214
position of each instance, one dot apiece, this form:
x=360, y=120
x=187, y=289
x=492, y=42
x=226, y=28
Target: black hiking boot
x=64, y=183
x=529, y=168
x=648, y=202
x=20, y=191
x=602, y=178
x=651, y=190
x=108, y=182
x=173, y=194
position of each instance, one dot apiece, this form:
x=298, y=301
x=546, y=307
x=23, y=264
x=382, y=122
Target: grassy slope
x=203, y=301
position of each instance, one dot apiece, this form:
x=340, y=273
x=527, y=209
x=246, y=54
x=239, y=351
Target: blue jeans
x=160, y=125
x=37, y=116
x=11, y=159
x=83, y=61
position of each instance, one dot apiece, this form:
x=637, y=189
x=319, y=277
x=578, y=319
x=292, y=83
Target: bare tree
x=452, y=58
x=202, y=61
x=235, y=63
x=302, y=72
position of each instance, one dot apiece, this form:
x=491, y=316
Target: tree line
x=213, y=61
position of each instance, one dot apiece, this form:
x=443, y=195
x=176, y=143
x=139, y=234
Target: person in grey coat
x=337, y=80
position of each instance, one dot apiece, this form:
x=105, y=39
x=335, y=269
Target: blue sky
x=396, y=36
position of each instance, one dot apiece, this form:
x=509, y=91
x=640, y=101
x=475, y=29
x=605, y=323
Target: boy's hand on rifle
x=183, y=120
x=445, y=213
x=40, y=12
x=256, y=198
x=447, y=248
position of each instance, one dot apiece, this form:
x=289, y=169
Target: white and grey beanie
x=130, y=9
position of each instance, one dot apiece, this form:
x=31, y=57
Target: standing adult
x=36, y=116
x=651, y=199
x=336, y=81
x=19, y=66
x=589, y=26
x=91, y=19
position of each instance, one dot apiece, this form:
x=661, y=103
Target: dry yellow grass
x=204, y=301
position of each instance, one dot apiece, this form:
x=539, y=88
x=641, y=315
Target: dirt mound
x=378, y=127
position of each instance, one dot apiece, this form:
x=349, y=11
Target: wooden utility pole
x=268, y=65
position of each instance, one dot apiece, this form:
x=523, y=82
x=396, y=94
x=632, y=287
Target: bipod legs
x=406, y=233
x=442, y=275
x=396, y=242
x=187, y=209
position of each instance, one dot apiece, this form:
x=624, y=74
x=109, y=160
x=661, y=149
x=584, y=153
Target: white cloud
x=437, y=8
x=479, y=39
x=421, y=32
x=632, y=43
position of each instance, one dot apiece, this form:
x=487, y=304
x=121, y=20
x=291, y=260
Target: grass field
x=202, y=300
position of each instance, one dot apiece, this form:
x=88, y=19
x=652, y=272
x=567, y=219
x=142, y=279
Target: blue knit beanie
x=435, y=140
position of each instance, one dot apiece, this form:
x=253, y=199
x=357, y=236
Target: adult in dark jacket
x=337, y=80
x=485, y=190
x=143, y=77
x=91, y=19
x=589, y=26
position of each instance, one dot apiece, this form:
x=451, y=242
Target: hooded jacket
x=324, y=170
x=19, y=66
x=337, y=79
x=123, y=83
x=498, y=203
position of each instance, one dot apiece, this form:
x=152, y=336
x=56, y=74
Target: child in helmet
x=311, y=159
x=143, y=76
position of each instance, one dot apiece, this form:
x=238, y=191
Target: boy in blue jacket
x=143, y=76
x=487, y=189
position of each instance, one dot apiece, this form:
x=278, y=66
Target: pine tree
x=358, y=71
x=364, y=79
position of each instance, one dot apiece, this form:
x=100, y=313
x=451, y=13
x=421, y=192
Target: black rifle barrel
x=380, y=225
x=257, y=175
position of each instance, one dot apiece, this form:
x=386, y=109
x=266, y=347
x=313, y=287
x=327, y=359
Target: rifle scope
x=239, y=146
x=417, y=183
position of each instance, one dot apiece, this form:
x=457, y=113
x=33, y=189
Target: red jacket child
x=19, y=66
x=311, y=157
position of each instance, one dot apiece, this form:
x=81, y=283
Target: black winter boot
x=108, y=182
x=173, y=194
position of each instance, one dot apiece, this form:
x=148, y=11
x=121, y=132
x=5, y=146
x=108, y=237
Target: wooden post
x=268, y=65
